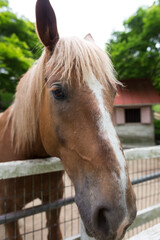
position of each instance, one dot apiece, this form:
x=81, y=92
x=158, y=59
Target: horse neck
x=7, y=147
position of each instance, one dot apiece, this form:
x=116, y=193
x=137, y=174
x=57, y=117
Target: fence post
x=84, y=235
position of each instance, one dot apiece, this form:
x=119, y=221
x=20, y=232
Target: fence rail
x=146, y=215
x=21, y=168
x=146, y=178
x=11, y=217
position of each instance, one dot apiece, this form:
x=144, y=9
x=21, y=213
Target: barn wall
x=119, y=117
x=136, y=134
x=146, y=114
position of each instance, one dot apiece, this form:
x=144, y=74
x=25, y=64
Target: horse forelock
x=74, y=59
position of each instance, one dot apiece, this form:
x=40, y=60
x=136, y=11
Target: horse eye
x=58, y=92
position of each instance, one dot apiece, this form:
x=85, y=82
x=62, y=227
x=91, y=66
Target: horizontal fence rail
x=146, y=178
x=11, y=217
x=46, y=165
x=22, y=168
x=146, y=215
x=142, y=153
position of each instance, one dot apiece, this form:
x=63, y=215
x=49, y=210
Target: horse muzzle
x=103, y=220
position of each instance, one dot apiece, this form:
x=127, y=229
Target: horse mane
x=71, y=57
x=24, y=113
x=78, y=58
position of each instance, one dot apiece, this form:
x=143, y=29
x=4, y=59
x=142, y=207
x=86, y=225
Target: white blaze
x=106, y=128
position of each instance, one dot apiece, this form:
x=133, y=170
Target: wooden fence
x=46, y=165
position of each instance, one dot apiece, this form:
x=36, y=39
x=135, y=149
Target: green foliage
x=3, y=3
x=136, y=50
x=19, y=47
x=6, y=98
x=156, y=108
x=157, y=130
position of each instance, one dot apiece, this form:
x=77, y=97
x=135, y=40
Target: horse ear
x=89, y=37
x=46, y=24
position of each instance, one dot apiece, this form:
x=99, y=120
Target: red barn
x=133, y=112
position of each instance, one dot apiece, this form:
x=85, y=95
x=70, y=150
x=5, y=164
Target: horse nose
x=106, y=223
x=101, y=220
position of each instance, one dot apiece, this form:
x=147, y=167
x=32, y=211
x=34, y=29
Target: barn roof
x=137, y=92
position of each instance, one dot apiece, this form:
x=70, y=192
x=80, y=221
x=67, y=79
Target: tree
x=135, y=51
x=19, y=47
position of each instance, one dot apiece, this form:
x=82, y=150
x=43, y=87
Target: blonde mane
x=79, y=58
x=71, y=57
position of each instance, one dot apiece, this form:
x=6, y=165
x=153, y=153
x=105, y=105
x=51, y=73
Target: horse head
x=76, y=125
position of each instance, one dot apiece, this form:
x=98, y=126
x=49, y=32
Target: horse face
x=76, y=125
x=80, y=128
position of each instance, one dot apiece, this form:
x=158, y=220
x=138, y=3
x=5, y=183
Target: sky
x=80, y=17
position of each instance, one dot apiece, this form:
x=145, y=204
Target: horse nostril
x=102, y=221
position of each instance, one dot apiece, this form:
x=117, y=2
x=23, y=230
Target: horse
x=63, y=107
